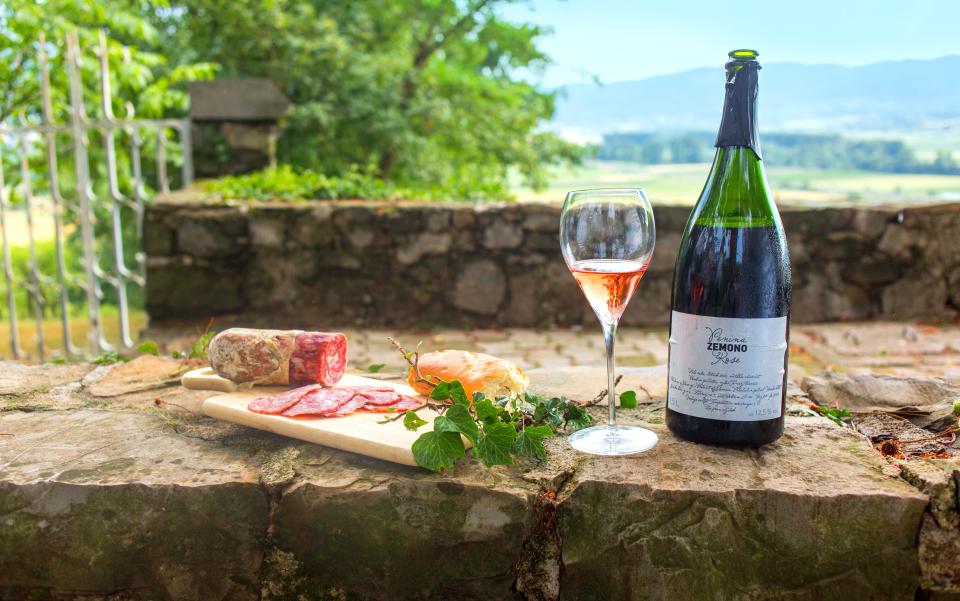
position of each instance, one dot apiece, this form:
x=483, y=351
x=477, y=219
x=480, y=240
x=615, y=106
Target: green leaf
x=529, y=441
x=199, y=348
x=493, y=447
x=438, y=451
x=178, y=355
x=412, y=421
x=108, y=358
x=486, y=410
x=628, y=399
x=375, y=367
x=457, y=394
x=149, y=347
x=458, y=419
x=450, y=390
x=577, y=417
x=440, y=392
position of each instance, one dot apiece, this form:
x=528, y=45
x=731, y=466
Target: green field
x=682, y=184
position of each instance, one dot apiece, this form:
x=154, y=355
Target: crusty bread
x=476, y=371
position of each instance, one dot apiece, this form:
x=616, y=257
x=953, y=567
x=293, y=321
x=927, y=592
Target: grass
x=682, y=184
x=53, y=332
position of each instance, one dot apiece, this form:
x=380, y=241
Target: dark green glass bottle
x=729, y=326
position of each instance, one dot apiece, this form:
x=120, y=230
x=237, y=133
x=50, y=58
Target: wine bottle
x=729, y=327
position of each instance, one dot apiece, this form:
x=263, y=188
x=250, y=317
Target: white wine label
x=727, y=368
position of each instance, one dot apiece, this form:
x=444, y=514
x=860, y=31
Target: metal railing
x=78, y=209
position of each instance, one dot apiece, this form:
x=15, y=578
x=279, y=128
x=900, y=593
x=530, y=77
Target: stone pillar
x=235, y=125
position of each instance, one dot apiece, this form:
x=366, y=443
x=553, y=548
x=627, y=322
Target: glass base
x=616, y=440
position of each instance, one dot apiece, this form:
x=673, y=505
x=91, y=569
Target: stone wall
x=460, y=265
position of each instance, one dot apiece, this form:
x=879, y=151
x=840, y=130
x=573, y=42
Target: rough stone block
x=734, y=524
x=427, y=243
x=358, y=527
x=211, y=234
x=480, y=288
x=116, y=503
x=915, y=297
x=502, y=234
x=128, y=501
x=179, y=291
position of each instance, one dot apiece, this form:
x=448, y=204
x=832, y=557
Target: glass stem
x=609, y=337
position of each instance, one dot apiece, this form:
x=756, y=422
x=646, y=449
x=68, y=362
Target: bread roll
x=476, y=371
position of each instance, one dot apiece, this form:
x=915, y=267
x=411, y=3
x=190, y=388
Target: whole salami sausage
x=279, y=356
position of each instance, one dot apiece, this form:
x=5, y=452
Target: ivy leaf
x=450, y=390
x=149, y=347
x=486, y=410
x=457, y=394
x=438, y=451
x=577, y=417
x=440, y=392
x=412, y=421
x=529, y=441
x=493, y=447
x=458, y=419
x=628, y=399
x=375, y=367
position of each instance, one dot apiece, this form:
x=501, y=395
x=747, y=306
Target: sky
x=619, y=40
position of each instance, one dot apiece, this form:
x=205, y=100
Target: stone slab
x=120, y=498
x=236, y=100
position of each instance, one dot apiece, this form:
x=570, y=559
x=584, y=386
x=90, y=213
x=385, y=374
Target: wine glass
x=607, y=239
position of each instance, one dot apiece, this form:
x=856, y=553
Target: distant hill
x=891, y=95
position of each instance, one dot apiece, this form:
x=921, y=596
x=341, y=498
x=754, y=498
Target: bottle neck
x=738, y=126
x=736, y=193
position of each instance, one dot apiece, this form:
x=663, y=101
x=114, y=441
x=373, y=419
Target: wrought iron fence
x=124, y=267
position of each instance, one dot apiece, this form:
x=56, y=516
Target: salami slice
x=318, y=357
x=321, y=402
x=278, y=403
x=404, y=403
x=352, y=405
x=380, y=397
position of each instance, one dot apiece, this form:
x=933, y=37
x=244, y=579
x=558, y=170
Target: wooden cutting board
x=358, y=433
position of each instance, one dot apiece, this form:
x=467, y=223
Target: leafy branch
x=413, y=359
x=499, y=430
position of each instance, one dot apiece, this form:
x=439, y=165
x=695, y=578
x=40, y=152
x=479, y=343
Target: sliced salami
x=321, y=402
x=380, y=397
x=318, y=357
x=404, y=403
x=278, y=403
x=352, y=405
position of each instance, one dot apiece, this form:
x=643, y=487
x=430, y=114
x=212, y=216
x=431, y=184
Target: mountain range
x=890, y=95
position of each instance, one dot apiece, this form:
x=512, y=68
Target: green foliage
x=46, y=259
x=834, y=414
x=628, y=399
x=498, y=429
x=199, y=348
x=290, y=183
x=412, y=421
x=427, y=91
x=140, y=78
x=149, y=347
x=779, y=149
x=375, y=368
x=108, y=358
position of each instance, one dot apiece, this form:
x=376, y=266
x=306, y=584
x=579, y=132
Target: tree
x=425, y=91
x=139, y=76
